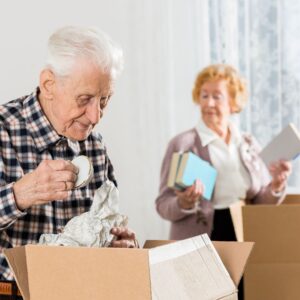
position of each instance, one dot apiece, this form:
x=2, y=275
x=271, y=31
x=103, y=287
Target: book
x=186, y=168
x=286, y=146
x=175, y=162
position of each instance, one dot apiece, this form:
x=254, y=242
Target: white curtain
x=170, y=42
x=262, y=39
x=166, y=43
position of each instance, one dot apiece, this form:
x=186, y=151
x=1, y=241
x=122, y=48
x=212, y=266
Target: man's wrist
x=19, y=204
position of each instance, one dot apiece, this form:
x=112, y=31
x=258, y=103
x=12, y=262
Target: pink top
x=186, y=224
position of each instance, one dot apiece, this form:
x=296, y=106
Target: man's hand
x=188, y=198
x=125, y=238
x=280, y=171
x=50, y=181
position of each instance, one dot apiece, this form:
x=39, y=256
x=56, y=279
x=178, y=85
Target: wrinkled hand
x=188, y=198
x=50, y=181
x=125, y=238
x=280, y=171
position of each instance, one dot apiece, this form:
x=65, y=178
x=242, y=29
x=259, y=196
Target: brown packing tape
x=9, y=288
x=5, y=288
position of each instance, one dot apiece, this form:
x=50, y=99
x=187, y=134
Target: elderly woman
x=219, y=92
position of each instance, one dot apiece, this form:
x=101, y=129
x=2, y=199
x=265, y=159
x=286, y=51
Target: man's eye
x=83, y=101
x=103, y=101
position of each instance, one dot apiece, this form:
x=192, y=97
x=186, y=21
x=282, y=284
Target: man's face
x=78, y=101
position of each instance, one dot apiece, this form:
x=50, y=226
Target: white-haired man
x=42, y=132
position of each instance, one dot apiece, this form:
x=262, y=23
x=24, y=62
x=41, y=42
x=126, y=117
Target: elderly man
x=42, y=132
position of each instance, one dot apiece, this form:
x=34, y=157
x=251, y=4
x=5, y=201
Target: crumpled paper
x=92, y=228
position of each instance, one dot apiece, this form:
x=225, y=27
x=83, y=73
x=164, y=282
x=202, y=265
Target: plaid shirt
x=27, y=138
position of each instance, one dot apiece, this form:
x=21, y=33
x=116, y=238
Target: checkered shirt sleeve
x=27, y=138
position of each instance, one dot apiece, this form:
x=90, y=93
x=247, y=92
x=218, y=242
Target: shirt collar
x=236, y=135
x=208, y=136
x=43, y=133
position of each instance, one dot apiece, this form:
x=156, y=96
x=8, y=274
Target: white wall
x=164, y=44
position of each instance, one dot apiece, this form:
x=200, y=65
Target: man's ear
x=47, y=84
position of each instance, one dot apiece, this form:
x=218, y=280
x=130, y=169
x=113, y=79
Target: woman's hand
x=280, y=171
x=188, y=198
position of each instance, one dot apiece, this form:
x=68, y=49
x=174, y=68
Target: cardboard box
x=273, y=270
x=237, y=219
x=47, y=273
x=234, y=256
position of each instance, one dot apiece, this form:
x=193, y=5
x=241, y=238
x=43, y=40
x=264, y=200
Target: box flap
x=275, y=231
x=65, y=273
x=234, y=256
x=237, y=219
x=16, y=258
x=230, y=297
x=187, y=269
x=291, y=199
x=155, y=243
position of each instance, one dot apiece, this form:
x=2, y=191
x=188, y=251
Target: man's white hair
x=70, y=43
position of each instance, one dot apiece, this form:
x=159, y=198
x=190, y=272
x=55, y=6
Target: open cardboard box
x=273, y=270
x=188, y=269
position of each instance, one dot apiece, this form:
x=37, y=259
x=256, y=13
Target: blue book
x=192, y=167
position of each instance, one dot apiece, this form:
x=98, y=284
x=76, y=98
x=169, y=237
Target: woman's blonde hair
x=235, y=84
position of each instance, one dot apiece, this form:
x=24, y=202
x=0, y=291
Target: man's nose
x=94, y=112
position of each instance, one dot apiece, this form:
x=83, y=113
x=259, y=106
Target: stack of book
x=186, y=168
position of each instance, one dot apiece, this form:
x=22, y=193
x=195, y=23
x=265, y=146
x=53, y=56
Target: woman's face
x=214, y=101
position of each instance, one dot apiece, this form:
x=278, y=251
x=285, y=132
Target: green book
x=175, y=162
x=186, y=168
